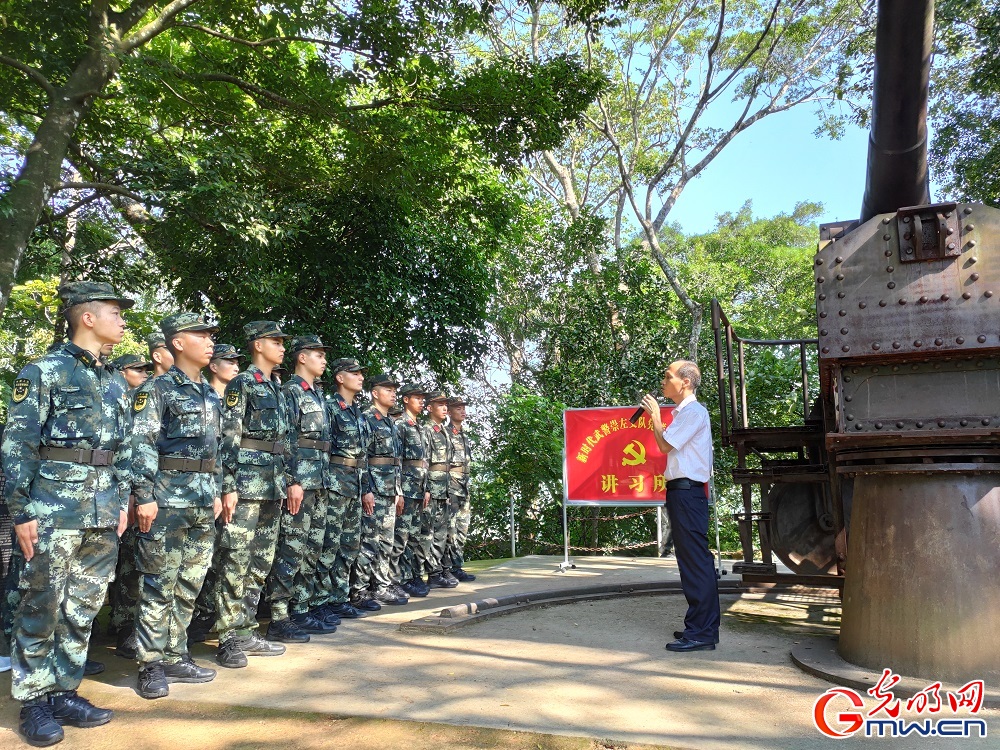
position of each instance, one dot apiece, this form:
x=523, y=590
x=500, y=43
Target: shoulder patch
x=21, y=388
x=232, y=398
x=141, y=399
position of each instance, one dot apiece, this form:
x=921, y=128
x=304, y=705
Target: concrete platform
x=592, y=668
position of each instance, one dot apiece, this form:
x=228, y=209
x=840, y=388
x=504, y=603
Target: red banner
x=610, y=460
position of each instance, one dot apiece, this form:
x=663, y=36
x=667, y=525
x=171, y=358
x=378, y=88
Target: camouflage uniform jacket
x=350, y=435
x=175, y=417
x=308, y=417
x=458, y=485
x=413, y=447
x=254, y=409
x=384, y=444
x=66, y=400
x=439, y=452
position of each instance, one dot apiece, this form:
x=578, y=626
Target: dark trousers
x=688, y=512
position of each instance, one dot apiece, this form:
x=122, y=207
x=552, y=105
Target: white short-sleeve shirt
x=690, y=435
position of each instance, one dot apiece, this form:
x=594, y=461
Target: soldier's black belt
x=351, y=462
x=383, y=461
x=194, y=465
x=438, y=467
x=77, y=455
x=320, y=445
x=418, y=462
x=262, y=445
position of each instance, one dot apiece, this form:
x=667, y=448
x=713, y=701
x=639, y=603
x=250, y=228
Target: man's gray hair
x=689, y=370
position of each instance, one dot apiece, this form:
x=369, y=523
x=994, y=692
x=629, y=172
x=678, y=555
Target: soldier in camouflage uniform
x=438, y=479
x=161, y=357
x=65, y=457
x=124, y=593
x=221, y=370
x=294, y=571
x=370, y=578
x=458, y=492
x=407, y=552
x=350, y=491
x=255, y=441
x=177, y=482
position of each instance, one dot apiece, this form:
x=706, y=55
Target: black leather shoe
x=254, y=645
x=286, y=631
x=461, y=575
x=152, y=682
x=37, y=726
x=347, y=611
x=306, y=623
x=679, y=635
x=187, y=671
x=449, y=579
x=325, y=614
x=388, y=596
x=230, y=653
x=363, y=600
x=70, y=708
x=683, y=644
x=90, y=668
x=127, y=644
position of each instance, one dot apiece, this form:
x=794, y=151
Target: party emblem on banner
x=610, y=460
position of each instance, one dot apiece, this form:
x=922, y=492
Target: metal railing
x=732, y=383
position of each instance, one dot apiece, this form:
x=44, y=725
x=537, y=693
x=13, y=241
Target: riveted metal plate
x=929, y=232
x=871, y=304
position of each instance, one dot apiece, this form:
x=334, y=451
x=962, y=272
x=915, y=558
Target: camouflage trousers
x=305, y=587
x=172, y=559
x=10, y=597
x=401, y=557
x=371, y=568
x=204, y=608
x=125, y=593
x=341, y=545
x=293, y=541
x=421, y=537
x=62, y=589
x=246, y=553
x=440, y=524
x=458, y=532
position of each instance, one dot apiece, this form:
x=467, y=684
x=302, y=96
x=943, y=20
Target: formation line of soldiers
x=209, y=496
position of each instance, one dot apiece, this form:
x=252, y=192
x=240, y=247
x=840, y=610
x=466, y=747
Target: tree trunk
x=41, y=167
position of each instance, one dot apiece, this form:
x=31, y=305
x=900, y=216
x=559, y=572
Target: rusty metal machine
x=893, y=480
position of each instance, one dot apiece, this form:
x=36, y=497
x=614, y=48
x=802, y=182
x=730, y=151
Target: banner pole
x=565, y=563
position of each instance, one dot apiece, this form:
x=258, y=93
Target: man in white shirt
x=687, y=443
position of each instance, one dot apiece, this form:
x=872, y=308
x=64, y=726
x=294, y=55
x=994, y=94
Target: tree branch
x=157, y=26
x=33, y=73
x=101, y=187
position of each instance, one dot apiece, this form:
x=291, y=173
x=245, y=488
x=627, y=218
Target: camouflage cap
x=263, y=329
x=346, y=364
x=433, y=396
x=456, y=401
x=396, y=411
x=131, y=361
x=412, y=389
x=185, y=321
x=225, y=351
x=80, y=292
x=155, y=340
x=301, y=343
x=383, y=380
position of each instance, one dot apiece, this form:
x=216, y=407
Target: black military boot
x=90, y=667
x=347, y=611
x=128, y=644
x=363, y=600
x=37, y=726
x=308, y=623
x=388, y=595
x=439, y=581
x=152, y=681
x=70, y=708
x=186, y=670
x=449, y=579
x=230, y=653
x=254, y=645
x=461, y=575
x=199, y=629
x=286, y=631
x=325, y=613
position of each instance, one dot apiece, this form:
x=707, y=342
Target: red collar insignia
x=258, y=377
x=437, y=428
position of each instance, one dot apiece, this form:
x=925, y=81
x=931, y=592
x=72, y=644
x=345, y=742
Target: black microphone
x=634, y=419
